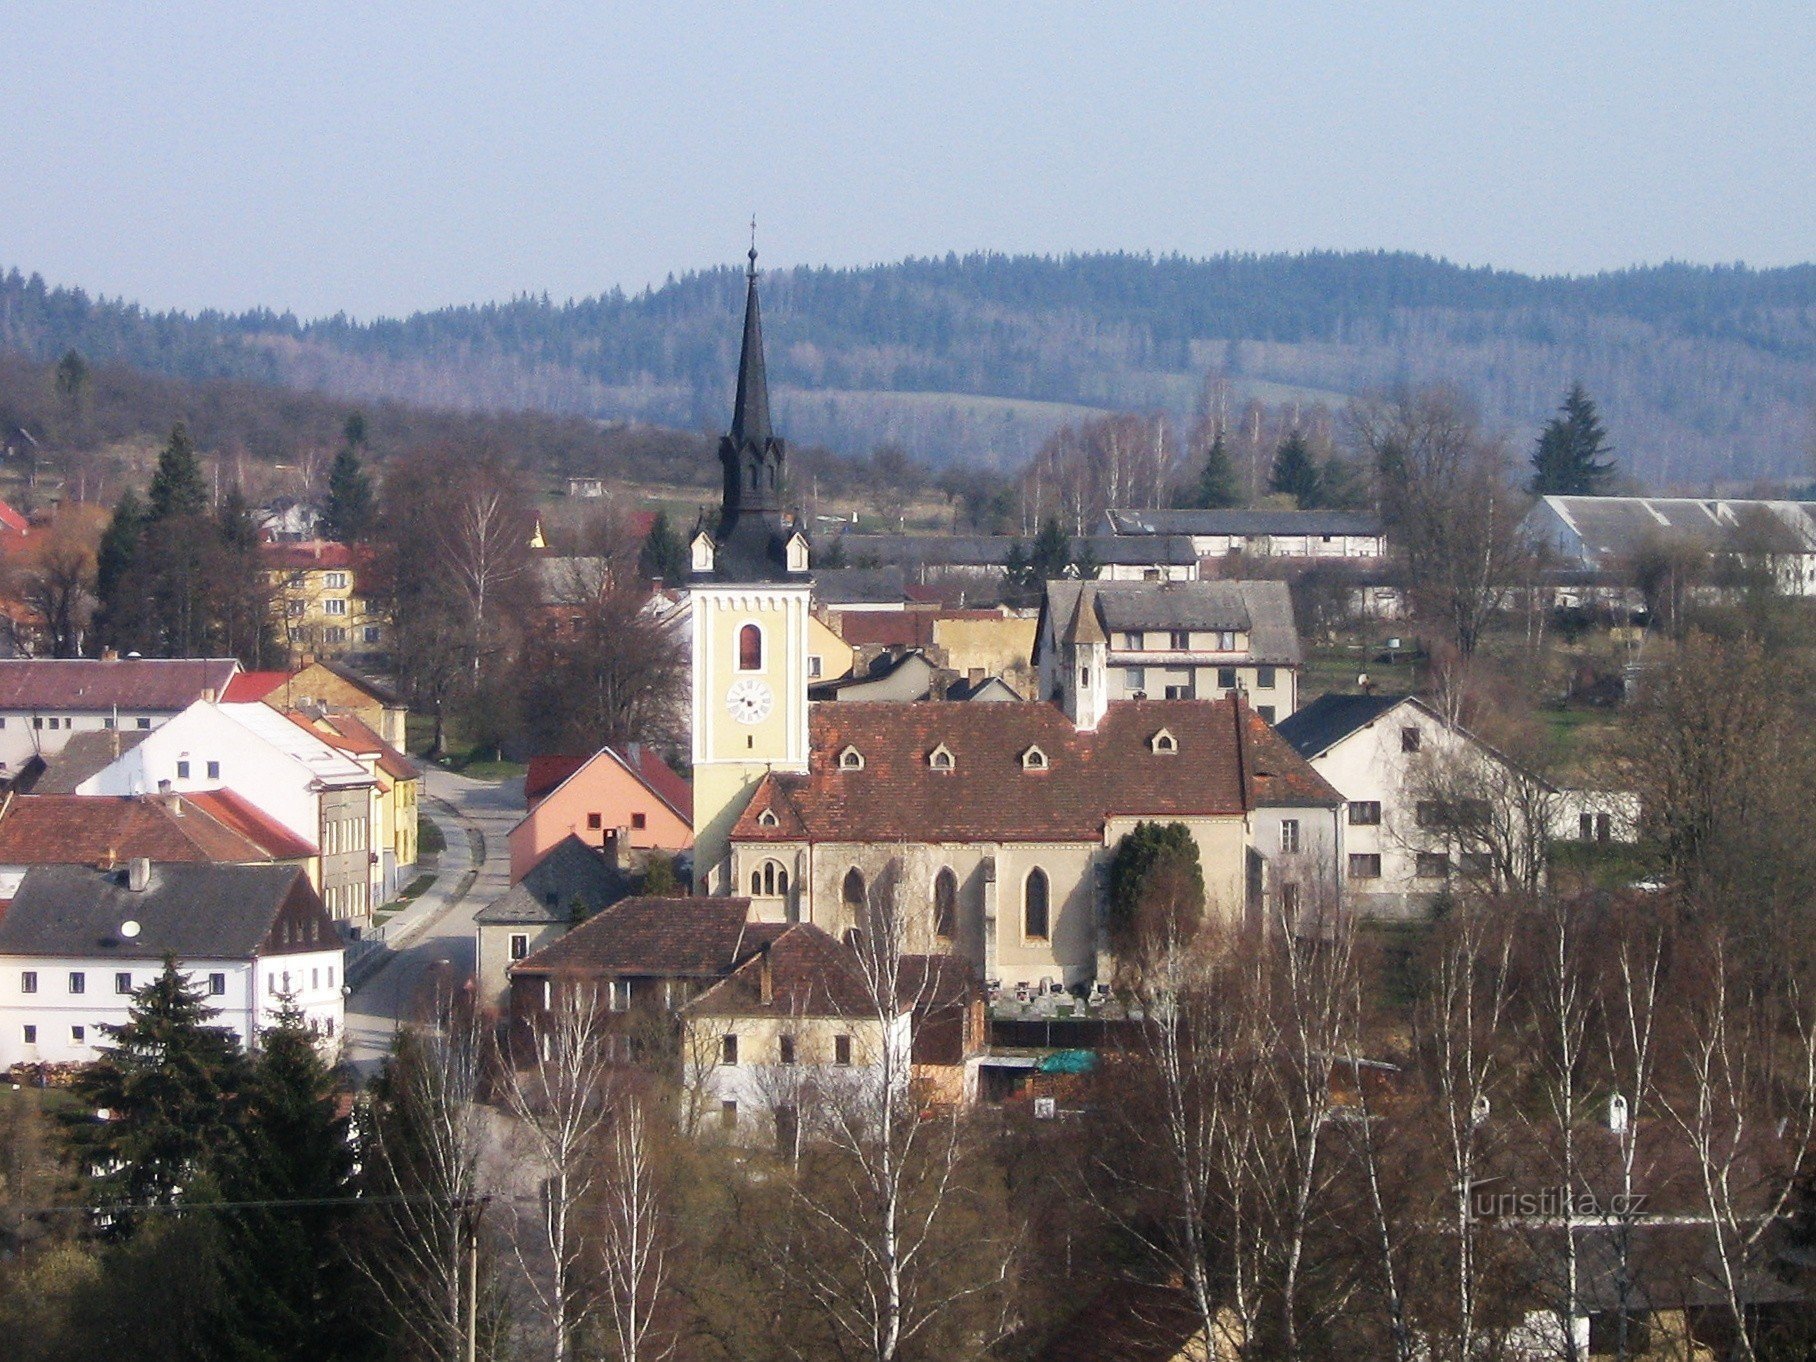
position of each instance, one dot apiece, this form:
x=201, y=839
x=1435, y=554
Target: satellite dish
x=129, y=929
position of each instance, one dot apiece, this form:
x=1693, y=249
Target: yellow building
x=318, y=606
x=752, y=629
x=396, y=796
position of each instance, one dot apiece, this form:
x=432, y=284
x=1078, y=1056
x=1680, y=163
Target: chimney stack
x=138, y=874
x=110, y=655
x=766, y=979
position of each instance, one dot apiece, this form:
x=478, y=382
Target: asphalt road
x=433, y=937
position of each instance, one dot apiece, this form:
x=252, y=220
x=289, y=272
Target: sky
x=376, y=159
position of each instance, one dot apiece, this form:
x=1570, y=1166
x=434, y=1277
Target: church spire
x=750, y=415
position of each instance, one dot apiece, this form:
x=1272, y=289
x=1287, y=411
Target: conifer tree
x=1052, y=552
x=296, y=1290
x=1571, y=456
x=1216, y=487
x=120, y=617
x=171, y=1084
x=347, y=517
x=178, y=487
x=1296, y=473
x=663, y=557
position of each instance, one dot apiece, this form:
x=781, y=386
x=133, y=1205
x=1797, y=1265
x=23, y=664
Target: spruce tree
x=1052, y=552
x=118, y=552
x=663, y=557
x=170, y=1083
x=1571, y=456
x=1296, y=473
x=1216, y=486
x=347, y=517
x=178, y=487
x=296, y=1289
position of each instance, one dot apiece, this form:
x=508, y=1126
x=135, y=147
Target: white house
x=281, y=767
x=1608, y=534
x=1249, y=533
x=1430, y=804
x=1173, y=641
x=76, y=943
x=45, y=700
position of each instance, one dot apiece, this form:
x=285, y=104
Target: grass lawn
x=428, y=836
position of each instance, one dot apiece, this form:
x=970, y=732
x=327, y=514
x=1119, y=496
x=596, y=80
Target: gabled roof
x=1242, y=521
x=1263, y=610
x=860, y=586
x=86, y=754
x=249, y=821
x=809, y=974
x=664, y=938
x=572, y=881
x=378, y=690
x=993, y=550
x=131, y=685
x=250, y=686
x=363, y=737
x=1328, y=720
x=1228, y=761
x=300, y=743
x=195, y=912
x=42, y=829
x=546, y=773
x=310, y=554
x=642, y=763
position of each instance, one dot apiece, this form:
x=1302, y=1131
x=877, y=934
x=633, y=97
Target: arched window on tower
x=945, y=903
x=1034, y=905
x=851, y=894
x=750, y=649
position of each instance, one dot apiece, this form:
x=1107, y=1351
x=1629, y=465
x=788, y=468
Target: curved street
x=430, y=941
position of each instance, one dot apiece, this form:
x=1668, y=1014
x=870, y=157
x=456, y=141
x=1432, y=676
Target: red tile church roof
x=1228, y=761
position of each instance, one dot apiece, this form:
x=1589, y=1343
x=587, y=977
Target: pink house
x=633, y=792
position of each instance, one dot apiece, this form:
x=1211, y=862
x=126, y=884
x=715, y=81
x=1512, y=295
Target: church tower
x=751, y=592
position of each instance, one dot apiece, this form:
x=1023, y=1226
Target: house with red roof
x=993, y=825
x=629, y=795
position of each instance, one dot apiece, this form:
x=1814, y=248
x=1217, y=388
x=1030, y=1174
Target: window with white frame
x=1289, y=835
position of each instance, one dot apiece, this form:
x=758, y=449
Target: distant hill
x=1705, y=373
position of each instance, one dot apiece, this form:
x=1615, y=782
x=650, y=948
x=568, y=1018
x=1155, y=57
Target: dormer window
x=851, y=760
x=1034, y=760
x=1164, y=743
x=797, y=553
x=768, y=819
x=703, y=552
x=941, y=759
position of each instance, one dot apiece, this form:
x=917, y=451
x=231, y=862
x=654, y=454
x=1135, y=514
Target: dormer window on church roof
x=850, y=759
x=1034, y=760
x=941, y=758
x=768, y=819
x=1164, y=743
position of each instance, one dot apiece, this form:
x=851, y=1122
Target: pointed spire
x=750, y=417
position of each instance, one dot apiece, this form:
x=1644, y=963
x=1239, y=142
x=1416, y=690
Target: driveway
x=431, y=941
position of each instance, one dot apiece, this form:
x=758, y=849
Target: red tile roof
x=87, y=685
x=809, y=975
x=12, y=520
x=364, y=738
x=1228, y=761
x=237, y=813
x=247, y=687
x=545, y=773
x=315, y=553
x=662, y=779
x=664, y=938
x=886, y=628
x=106, y=829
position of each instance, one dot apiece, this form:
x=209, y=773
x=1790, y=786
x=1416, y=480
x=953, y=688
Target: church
x=989, y=826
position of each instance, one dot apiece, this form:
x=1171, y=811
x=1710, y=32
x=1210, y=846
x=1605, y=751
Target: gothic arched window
x=768, y=880
x=750, y=649
x=1034, y=905
x=852, y=893
x=945, y=903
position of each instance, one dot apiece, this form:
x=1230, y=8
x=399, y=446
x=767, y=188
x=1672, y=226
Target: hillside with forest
x=1706, y=374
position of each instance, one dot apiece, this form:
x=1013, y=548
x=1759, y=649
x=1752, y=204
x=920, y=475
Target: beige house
x=1169, y=640
x=807, y=1025
x=991, y=825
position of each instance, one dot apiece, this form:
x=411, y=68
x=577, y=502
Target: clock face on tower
x=749, y=700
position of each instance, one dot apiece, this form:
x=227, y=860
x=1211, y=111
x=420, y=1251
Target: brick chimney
x=138, y=874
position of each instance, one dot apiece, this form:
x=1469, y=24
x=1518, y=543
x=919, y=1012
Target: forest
x=977, y=359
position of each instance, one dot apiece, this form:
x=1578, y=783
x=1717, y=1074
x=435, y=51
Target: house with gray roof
x=77, y=942
x=567, y=886
x=1259, y=532
x=1173, y=641
x=1609, y=535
